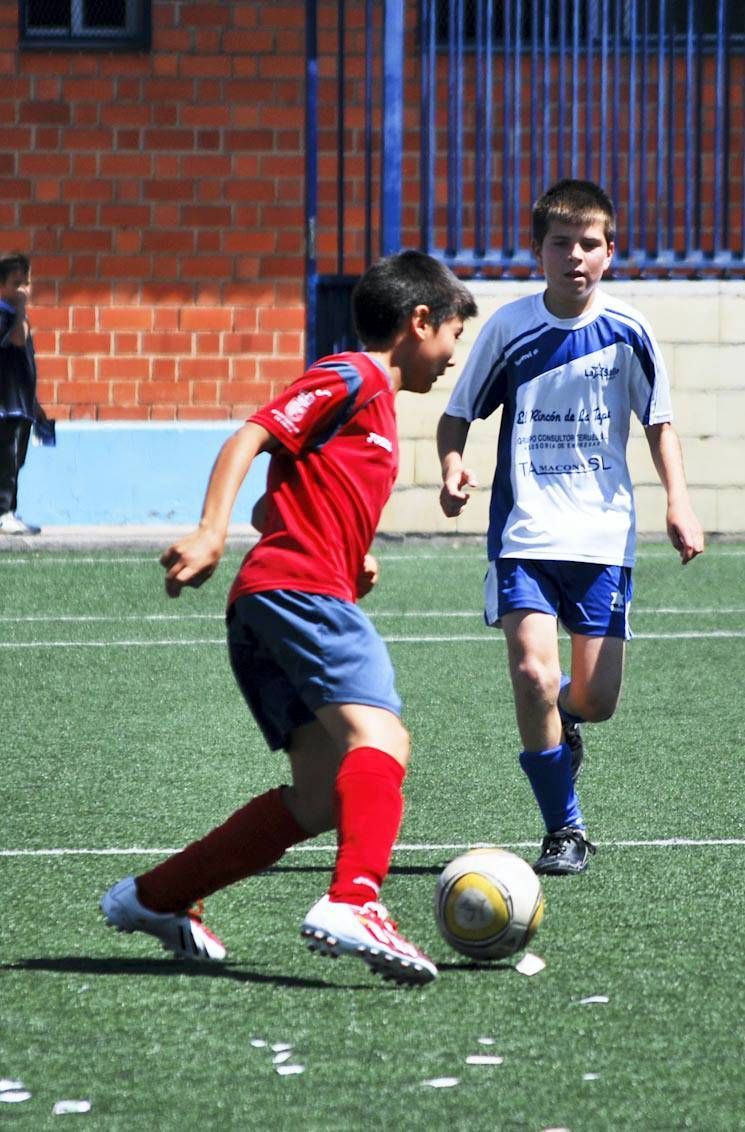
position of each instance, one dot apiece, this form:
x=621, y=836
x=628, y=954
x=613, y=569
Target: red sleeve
x=310, y=409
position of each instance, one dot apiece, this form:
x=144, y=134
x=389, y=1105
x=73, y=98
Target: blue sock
x=550, y=775
x=566, y=716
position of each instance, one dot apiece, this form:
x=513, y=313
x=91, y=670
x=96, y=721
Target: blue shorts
x=293, y=653
x=589, y=599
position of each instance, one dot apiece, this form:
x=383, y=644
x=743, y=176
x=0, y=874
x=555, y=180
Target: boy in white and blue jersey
x=567, y=367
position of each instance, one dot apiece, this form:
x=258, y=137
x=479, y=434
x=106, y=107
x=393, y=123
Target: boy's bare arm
x=683, y=528
x=452, y=433
x=194, y=559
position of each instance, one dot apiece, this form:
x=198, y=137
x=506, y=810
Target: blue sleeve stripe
x=352, y=378
x=493, y=390
x=639, y=341
x=348, y=372
x=513, y=344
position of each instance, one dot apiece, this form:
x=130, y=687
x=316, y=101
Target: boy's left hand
x=368, y=575
x=191, y=561
x=685, y=533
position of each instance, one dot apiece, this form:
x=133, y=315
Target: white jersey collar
x=583, y=319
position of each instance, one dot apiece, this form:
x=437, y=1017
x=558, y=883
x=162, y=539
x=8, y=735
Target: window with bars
x=107, y=24
x=564, y=19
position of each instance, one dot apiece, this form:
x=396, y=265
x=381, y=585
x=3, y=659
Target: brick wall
x=161, y=198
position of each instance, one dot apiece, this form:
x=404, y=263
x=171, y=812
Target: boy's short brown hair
x=394, y=286
x=573, y=202
x=13, y=261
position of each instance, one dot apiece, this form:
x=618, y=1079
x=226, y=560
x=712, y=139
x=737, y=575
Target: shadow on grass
x=87, y=965
x=474, y=965
x=394, y=870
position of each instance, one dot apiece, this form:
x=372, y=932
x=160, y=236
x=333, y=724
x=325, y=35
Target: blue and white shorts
x=293, y=653
x=587, y=598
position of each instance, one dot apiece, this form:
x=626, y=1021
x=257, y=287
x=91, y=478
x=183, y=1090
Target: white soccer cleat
x=369, y=933
x=183, y=933
x=11, y=524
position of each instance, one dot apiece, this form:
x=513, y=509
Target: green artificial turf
x=120, y=740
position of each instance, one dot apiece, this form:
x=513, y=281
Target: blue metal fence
x=461, y=112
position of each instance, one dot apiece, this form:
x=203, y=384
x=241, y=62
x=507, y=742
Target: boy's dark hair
x=573, y=202
x=12, y=261
x=391, y=289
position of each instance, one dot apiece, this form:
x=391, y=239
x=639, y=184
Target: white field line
x=39, y=558
x=423, y=847
x=460, y=638
x=408, y=614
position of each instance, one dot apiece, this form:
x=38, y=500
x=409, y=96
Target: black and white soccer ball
x=488, y=903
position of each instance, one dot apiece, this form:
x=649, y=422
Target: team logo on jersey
x=616, y=602
x=296, y=408
x=283, y=420
x=608, y=372
x=381, y=441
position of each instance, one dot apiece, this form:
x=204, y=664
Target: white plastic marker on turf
x=62, y=1107
x=592, y=999
x=483, y=1059
x=282, y=1052
x=442, y=1082
x=530, y=964
x=13, y=1092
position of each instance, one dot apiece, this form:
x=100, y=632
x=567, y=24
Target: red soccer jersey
x=328, y=482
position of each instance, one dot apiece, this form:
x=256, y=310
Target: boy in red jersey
x=315, y=673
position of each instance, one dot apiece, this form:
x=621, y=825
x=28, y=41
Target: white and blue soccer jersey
x=567, y=388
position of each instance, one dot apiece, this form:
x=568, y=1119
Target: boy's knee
x=537, y=681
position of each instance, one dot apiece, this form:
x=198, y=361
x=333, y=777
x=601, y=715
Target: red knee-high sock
x=253, y=838
x=369, y=810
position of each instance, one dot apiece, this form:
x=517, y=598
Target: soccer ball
x=488, y=903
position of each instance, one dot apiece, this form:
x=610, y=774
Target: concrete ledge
x=113, y=473
x=155, y=537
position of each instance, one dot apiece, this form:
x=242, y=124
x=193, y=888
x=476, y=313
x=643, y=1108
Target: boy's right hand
x=453, y=497
x=191, y=561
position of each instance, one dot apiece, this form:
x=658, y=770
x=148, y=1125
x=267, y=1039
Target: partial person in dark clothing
x=19, y=409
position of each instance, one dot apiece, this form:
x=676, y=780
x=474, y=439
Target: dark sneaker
x=572, y=734
x=564, y=852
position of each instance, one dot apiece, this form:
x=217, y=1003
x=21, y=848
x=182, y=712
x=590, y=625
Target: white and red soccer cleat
x=183, y=933
x=369, y=933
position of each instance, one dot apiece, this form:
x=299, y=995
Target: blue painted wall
x=125, y=472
